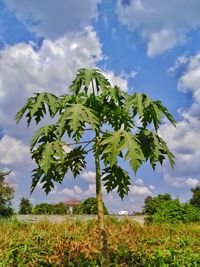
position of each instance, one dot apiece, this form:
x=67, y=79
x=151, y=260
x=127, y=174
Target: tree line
x=161, y=208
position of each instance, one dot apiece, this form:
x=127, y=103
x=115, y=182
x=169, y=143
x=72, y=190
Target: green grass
x=77, y=244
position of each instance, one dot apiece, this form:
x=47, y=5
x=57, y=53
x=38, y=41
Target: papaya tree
x=97, y=118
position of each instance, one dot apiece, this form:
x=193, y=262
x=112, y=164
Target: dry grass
x=46, y=244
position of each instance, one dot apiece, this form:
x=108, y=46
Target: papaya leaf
x=116, y=177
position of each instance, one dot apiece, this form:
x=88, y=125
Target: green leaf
x=119, y=141
x=85, y=78
x=75, y=116
x=45, y=134
x=116, y=177
x=75, y=160
x=154, y=148
x=35, y=107
x=133, y=150
x=112, y=142
x=45, y=162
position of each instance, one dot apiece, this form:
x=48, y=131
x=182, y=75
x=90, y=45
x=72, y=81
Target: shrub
x=173, y=211
x=25, y=207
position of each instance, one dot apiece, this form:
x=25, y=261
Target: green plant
x=6, y=195
x=109, y=115
x=172, y=211
x=25, y=206
x=89, y=206
x=195, y=200
x=152, y=204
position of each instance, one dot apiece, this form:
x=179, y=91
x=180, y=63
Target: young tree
x=109, y=115
x=195, y=200
x=25, y=206
x=6, y=195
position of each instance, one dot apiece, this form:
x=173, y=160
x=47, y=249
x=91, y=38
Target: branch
x=82, y=142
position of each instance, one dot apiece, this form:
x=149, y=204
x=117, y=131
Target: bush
x=152, y=204
x=25, y=207
x=173, y=211
x=47, y=209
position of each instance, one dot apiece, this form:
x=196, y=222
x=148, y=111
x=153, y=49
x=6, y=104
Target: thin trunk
x=104, y=239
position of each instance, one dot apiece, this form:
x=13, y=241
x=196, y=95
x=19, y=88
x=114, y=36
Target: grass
x=77, y=244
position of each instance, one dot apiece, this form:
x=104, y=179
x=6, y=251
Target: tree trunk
x=103, y=234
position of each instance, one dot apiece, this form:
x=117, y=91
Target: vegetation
x=50, y=209
x=172, y=211
x=76, y=244
x=89, y=206
x=195, y=200
x=25, y=206
x=153, y=204
x=100, y=119
x=6, y=195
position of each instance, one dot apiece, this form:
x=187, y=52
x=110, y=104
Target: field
x=76, y=243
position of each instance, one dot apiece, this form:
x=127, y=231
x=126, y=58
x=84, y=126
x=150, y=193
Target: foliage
x=89, y=206
x=195, y=200
x=172, y=211
x=6, y=195
x=76, y=243
x=46, y=208
x=25, y=206
x=93, y=104
x=152, y=204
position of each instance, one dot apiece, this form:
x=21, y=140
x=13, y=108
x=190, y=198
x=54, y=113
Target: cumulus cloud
x=184, y=140
x=53, y=19
x=52, y=67
x=13, y=151
x=88, y=176
x=176, y=181
x=161, y=25
x=140, y=190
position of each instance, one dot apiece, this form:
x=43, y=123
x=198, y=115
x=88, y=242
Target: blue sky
x=146, y=46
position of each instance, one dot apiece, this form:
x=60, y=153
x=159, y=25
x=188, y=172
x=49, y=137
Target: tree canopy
x=6, y=195
x=195, y=200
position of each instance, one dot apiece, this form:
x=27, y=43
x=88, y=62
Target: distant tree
x=152, y=204
x=60, y=208
x=195, y=200
x=50, y=208
x=43, y=208
x=25, y=206
x=89, y=206
x=6, y=195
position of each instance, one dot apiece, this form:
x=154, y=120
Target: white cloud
x=139, y=182
x=136, y=190
x=116, y=80
x=191, y=182
x=13, y=151
x=176, y=181
x=25, y=70
x=180, y=61
x=52, y=67
x=184, y=140
x=88, y=176
x=53, y=19
x=161, y=25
